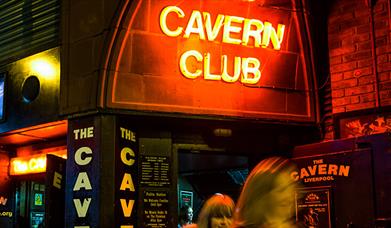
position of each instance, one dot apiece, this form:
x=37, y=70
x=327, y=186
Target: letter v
x=312, y=169
x=127, y=208
x=82, y=208
x=212, y=33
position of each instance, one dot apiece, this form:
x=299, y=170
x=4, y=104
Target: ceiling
x=34, y=134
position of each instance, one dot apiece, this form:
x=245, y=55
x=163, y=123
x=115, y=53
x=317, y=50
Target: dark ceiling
x=34, y=134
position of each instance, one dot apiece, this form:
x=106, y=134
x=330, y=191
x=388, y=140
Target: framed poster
x=313, y=207
x=185, y=197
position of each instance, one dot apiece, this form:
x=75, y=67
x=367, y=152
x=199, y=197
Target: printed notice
x=155, y=171
x=313, y=207
x=155, y=206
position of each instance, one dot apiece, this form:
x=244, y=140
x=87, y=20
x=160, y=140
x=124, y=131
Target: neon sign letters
x=35, y=164
x=235, y=30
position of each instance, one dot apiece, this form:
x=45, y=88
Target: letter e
x=57, y=180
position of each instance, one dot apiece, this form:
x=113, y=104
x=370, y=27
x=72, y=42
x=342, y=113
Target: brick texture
x=356, y=83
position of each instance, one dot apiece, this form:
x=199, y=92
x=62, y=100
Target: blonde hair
x=218, y=205
x=261, y=181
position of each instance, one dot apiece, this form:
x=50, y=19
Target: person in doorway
x=311, y=219
x=267, y=196
x=216, y=212
x=185, y=216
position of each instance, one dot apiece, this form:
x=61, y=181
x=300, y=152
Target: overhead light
x=43, y=67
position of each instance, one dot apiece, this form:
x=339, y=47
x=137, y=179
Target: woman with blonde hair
x=267, y=196
x=216, y=212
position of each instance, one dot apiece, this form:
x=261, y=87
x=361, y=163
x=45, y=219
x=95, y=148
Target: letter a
x=127, y=182
x=304, y=173
x=82, y=181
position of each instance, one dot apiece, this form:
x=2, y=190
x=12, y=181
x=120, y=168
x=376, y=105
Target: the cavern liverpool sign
x=233, y=58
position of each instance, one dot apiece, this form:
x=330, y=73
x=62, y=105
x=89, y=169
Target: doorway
x=204, y=171
x=30, y=203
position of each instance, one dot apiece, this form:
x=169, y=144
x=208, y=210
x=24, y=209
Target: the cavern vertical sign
x=83, y=174
x=236, y=58
x=126, y=176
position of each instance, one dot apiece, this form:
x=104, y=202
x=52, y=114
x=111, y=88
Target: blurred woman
x=216, y=212
x=267, y=197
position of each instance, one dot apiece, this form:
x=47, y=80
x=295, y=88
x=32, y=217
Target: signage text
x=235, y=30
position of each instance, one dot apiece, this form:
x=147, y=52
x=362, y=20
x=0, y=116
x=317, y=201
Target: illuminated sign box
x=31, y=164
x=28, y=165
x=208, y=57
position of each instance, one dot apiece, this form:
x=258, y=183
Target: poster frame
x=305, y=190
x=183, y=193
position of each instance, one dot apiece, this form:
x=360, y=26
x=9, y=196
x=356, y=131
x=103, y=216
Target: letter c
x=124, y=159
x=87, y=159
x=163, y=20
x=183, y=67
x=295, y=175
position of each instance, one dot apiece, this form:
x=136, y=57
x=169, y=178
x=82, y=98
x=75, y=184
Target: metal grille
x=27, y=27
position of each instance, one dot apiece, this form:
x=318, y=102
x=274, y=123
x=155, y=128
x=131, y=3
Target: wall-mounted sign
x=82, y=174
x=54, y=190
x=347, y=170
x=38, y=199
x=320, y=170
x=236, y=30
x=185, y=198
x=37, y=219
x=126, y=179
x=208, y=57
x=313, y=207
x=31, y=164
x=156, y=208
x=354, y=126
x=28, y=165
x=155, y=171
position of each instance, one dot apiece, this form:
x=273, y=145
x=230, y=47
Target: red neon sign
x=208, y=57
x=200, y=24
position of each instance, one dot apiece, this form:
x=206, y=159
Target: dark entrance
x=30, y=203
x=204, y=171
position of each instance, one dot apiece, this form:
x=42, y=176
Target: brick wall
x=355, y=84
